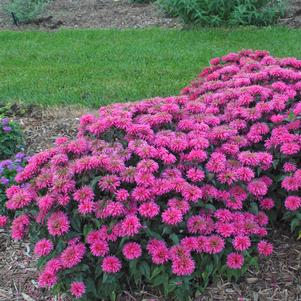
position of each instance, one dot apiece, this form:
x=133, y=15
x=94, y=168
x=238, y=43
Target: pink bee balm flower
x=290, y=148
x=130, y=226
x=111, y=264
x=99, y=248
x=3, y=221
x=77, y=289
x=72, y=255
x=149, y=209
x=172, y=216
x=47, y=279
x=267, y=203
x=235, y=261
x=19, y=226
x=289, y=167
x=132, y=250
x=183, y=266
x=264, y=248
x=58, y=224
x=258, y=188
x=84, y=194
x=293, y=202
x=43, y=247
x=241, y=243
x=214, y=244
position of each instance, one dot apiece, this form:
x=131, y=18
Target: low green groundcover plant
x=23, y=11
x=168, y=192
x=225, y=12
x=11, y=139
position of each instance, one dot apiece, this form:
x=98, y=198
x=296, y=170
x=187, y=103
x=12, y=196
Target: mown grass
x=97, y=67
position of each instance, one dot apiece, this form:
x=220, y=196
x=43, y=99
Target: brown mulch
x=293, y=14
x=94, y=14
x=278, y=277
x=43, y=125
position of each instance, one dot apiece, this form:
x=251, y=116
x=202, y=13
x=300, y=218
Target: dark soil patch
x=293, y=14
x=278, y=277
x=94, y=14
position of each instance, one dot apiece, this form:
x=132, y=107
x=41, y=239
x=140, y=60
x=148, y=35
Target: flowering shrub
x=10, y=138
x=8, y=171
x=168, y=192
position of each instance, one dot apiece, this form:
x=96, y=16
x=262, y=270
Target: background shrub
x=224, y=12
x=23, y=11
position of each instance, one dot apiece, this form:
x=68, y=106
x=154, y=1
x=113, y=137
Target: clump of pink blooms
x=192, y=164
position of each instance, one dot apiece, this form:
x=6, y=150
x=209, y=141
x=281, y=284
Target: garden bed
x=278, y=277
x=95, y=14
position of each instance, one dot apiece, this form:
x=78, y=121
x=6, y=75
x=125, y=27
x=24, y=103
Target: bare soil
x=278, y=277
x=293, y=14
x=94, y=14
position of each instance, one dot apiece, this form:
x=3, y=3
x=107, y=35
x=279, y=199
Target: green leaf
x=157, y=271
x=145, y=269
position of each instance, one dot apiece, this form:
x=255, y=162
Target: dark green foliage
x=10, y=138
x=225, y=12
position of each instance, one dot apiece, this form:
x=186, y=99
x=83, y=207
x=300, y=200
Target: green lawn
x=96, y=67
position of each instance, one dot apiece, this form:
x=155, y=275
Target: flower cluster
x=164, y=188
x=8, y=170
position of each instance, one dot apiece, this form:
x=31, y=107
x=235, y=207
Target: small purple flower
x=4, y=181
x=6, y=129
x=11, y=167
x=20, y=156
x=1, y=170
x=19, y=168
x=5, y=163
x=5, y=121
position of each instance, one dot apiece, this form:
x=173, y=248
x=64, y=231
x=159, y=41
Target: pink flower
x=158, y=251
x=77, y=289
x=84, y=194
x=130, y=225
x=99, y=248
x=224, y=229
x=58, y=223
x=214, y=244
x=47, y=279
x=43, y=247
x=257, y=188
x=289, y=167
x=264, y=248
x=132, y=250
x=149, y=209
x=290, y=148
x=172, y=216
x=72, y=255
x=241, y=243
x=3, y=221
x=86, y=207
x=267, y=203
x=111, y=264
x=235, y=261
x=19, y=226
x=53, y=265
x=293, y=202
x=183, y=266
